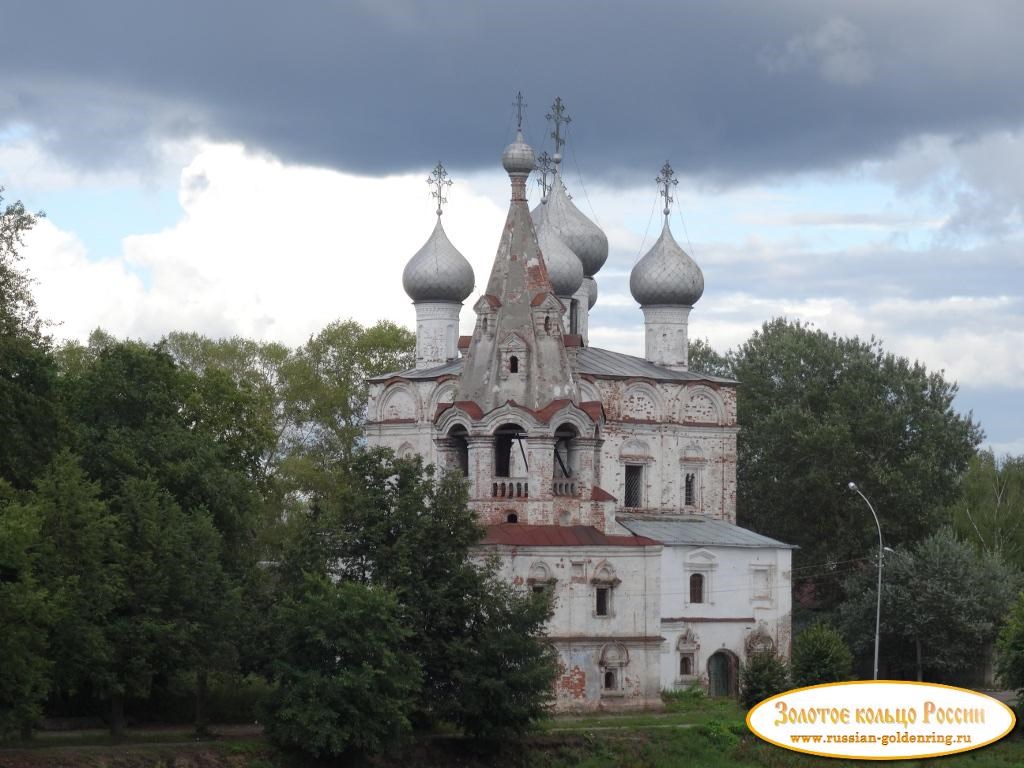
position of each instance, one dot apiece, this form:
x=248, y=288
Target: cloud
x=835, y=49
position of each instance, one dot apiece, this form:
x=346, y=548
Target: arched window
x=513, y=364
x=690, y=496
x=697, y=588
x=547, y=323
x=685, y=664
x=512, y=517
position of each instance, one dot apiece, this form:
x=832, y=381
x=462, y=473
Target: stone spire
x=517, y=351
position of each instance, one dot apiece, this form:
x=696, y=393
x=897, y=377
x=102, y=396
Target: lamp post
x=878, y=608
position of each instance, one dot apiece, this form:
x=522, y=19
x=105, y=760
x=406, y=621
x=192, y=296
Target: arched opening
x=547, y=323
x=510, y=451
x=513, y=364
x=511, y=517
x=574, y=317
x=723, y=668
x=458, y=440
x=566, y=460
x=697, y=588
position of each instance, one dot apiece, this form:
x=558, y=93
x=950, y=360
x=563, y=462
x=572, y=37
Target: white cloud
x=836, y=49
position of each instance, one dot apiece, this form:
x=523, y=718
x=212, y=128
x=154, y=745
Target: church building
x=608, y=479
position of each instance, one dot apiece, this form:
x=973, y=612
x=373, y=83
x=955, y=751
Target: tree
x=1010, y=660
x=763, y=676
x=703, y=358
x=390, y=523
x=819, y=656
x=942, y=604
x=18, y=314
x=818, y=411
x=990, y=509
x=24, y=620
x=344, y=681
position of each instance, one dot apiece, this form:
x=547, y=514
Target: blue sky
x=233, y=169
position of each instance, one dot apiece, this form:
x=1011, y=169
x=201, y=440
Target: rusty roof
x=519, y=535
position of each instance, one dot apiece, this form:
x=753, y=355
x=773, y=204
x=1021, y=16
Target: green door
x=720, y=674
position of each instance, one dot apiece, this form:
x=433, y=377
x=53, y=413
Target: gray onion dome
x=564, y=269
x=438, y=272
x=583, y=236
x=518, y=157
x=666, y=275
x=591, y=284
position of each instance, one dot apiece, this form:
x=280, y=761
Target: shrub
x=764, y=675
x=820, y=656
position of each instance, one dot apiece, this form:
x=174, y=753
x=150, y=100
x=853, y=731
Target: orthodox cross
x=558, y=117
x=546, y=166
x=666, y=181
x=519, y=110
x=438, y=181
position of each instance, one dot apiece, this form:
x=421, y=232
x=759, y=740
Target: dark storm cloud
x=729, y=90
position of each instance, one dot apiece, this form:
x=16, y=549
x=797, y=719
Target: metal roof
x=698, y=532
x=600, y=363
x=521, y=535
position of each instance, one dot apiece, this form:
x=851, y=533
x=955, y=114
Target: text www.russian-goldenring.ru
x=884, y=740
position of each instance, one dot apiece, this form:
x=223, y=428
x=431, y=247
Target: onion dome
x=564, y=269
x=666, y=275
x=591, y=285
x=583, y=236
x=438, y=272
x=518, y=157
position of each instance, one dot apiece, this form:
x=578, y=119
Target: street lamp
x=878, y=608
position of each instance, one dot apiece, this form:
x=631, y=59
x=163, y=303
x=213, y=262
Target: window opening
x=574, y=317
x=697, y=588
x=601, y=608
x=512, y=517
x=513, y=364
x=690, y=495
x=547, y=323
x=685, y=664
x=609, y=680
x=634, y=485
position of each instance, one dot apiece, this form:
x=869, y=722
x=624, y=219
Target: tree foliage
x=942, y=605
x=345, y=682
x=820, y=655
x=1010, y=660
x=818, y=411
x=761, y=677
x=989, y=511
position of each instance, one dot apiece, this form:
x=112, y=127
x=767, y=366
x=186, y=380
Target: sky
x=254, y=168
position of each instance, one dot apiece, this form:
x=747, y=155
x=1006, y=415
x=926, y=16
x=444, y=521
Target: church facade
x=608, y=479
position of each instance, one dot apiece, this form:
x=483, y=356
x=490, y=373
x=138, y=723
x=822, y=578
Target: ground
x=692, y=731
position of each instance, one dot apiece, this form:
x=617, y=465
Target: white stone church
x=606, y=478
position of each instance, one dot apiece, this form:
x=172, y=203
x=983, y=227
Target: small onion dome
x=564, y=268
x=438, y=272
x=583, y=236
x=666, y=275
x=518, y=157
x=591, y=285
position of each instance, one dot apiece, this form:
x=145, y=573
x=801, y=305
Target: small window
x=634, y=485
x=547, y=323
x=601, y=608
x=685, y=664
x=610, y=680
x=513, y=364
x=512, y=517
x=697, y=588
x=574, y=317
x=690, y=496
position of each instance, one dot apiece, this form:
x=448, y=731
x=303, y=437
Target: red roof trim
x=464, y=342
x=572, y=340
x=600, y=494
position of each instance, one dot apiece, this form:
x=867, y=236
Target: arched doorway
x=723, y=677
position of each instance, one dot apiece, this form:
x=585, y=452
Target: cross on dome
x=438, y=181
x=559, y=118
x=546, y=167
x=519, y=110
x=666, y=180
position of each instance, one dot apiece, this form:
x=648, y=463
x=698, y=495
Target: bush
x=820, y=656
x=764, y=675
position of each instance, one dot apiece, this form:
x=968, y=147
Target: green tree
x=24, y=620
x=818, y=411
x=389, y=523
x=1010, y=660
x=18, y=314
x=763, y=676
x=820, y=655
x=703, y=358
x=942, y=604
x=990, y=509
x=344, y=681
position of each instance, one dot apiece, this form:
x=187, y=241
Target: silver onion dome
x=438, y=272
x=564, y=268
x=591, y=284
x=518, y=158
x=666, y=275
x=583, y=236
